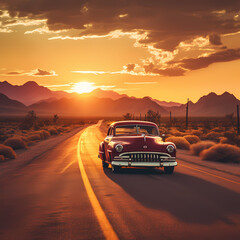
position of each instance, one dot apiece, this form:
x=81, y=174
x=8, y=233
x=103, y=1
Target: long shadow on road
x=188, y=198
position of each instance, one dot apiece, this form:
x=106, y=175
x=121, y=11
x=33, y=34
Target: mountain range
x=16, y=100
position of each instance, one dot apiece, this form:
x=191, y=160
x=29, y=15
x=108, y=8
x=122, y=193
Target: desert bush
x=213, y=136
x=3, y=138
x=7, y=151
x=217, y=129
x=180, y=142
x=176, y=133
x=197, y=148
x=43, y=134
x=221, y=153
x=53, y=131
x=30, y=143
x=15, y=143
x=11, y=131
x=34, y=137
x=192, y=138
x=2, y=158
x=46, y=134
x=197, y=132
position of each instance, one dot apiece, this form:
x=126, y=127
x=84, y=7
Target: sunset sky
x=169, y=50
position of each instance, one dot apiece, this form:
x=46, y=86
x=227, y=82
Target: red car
x=136, y=144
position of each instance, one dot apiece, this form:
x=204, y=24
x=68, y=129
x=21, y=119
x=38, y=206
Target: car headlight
x=119, y=147
x=170, y=148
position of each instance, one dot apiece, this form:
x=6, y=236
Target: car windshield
x=136, y=129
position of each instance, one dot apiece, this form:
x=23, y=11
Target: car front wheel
x=168, y=170
x=115, y=169
x=104, y=164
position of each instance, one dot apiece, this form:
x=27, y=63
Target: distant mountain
x=8, y=105
x=209, y=105
x=167, y=104
x=92, y=106
x=30, y=92
x=99, y=93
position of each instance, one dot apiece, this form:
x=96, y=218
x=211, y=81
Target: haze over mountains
x=103, y=103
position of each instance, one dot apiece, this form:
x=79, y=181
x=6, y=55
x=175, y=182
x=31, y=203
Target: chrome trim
x=144, y=153
x=143, y=164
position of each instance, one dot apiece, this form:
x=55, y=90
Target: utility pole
x=238, y=130
x=140, y=117
x=170, y=117
x=187, y=114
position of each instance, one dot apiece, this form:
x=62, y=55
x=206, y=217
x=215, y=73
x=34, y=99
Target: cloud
x=205, y=61
x=130, y=67
x=164, y=28
x=34, y=73
x=167, y=23
x=42, y=73
x=170, y=71
x=215, y=39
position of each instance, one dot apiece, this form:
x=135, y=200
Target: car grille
x=145, y=156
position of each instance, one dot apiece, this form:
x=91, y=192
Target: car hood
x=140, y=143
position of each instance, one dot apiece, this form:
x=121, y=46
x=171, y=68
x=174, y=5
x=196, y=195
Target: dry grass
x=192, y=138
x=180, y=142
x=221, y=153
x=2, y=158
x=15, y=143
x=7, y=152
x=197, y=148
x=213, y=136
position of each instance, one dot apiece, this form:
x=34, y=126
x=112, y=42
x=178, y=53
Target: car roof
x=120, y=123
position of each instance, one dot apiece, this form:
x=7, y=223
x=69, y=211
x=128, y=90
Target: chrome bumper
x=126, y=162
x=144, y=164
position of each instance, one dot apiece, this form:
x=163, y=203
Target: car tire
x=115, y=169
x=104, y=164
x=168, y=170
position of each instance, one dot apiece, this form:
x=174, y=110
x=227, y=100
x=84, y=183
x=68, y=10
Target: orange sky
x=157, y=61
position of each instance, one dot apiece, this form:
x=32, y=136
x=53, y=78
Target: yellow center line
x=105, y=225
x=196, y=169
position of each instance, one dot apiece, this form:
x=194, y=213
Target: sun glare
x=83, y=87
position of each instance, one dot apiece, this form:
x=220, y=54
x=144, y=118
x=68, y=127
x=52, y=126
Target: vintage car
x=136, y=144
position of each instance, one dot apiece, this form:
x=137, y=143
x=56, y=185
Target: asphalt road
x=65, y=194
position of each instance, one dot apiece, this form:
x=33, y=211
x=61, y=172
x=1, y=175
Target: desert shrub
x=7, y=151
x=30, y=143
x=3, y=138
x=24, y=138
x=2, y=158
x=176, y=133
x=11, y=131
x=46, y=134
x=192, y=138
x=197, y=132
x=197, y=148
x=180, y=142
x=213, y=136
x=15, y=143
x=221, y=153
x=34, y=137
x=217, y=129
x=53, y=131
x=43, y=134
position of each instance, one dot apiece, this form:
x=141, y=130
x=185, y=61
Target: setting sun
x=83, y=87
